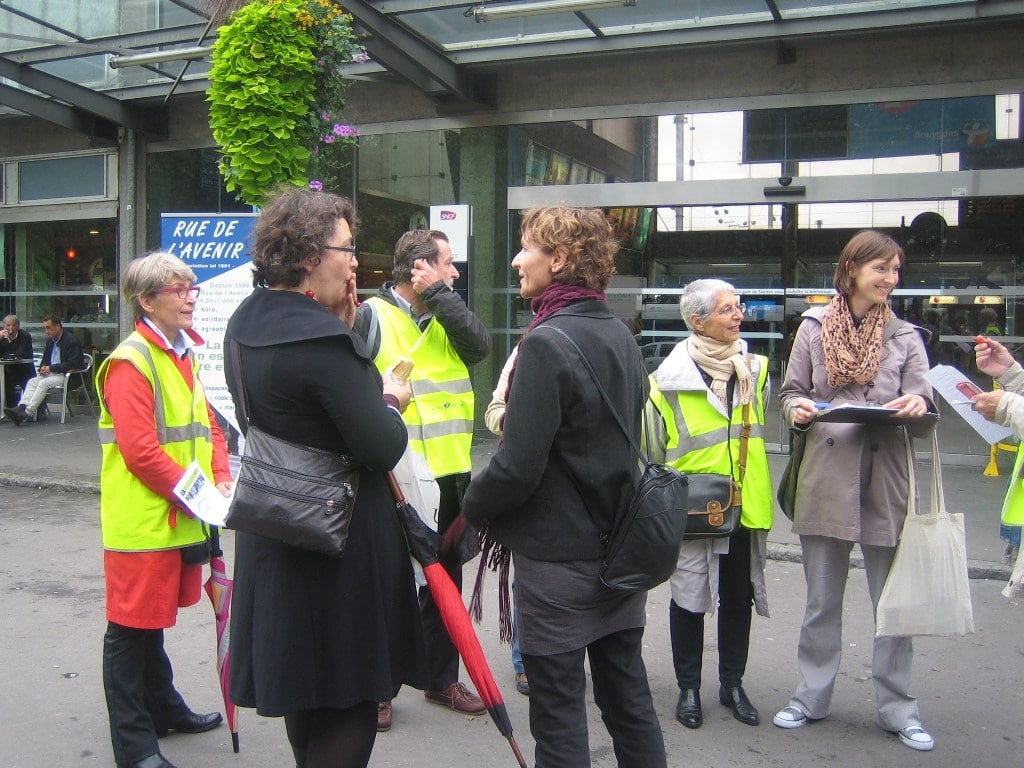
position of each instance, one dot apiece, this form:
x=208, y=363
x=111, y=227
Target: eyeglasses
x=731, y=310
x=349, y=249
x=181, y=291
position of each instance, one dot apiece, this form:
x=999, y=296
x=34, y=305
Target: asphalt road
x=53, y=714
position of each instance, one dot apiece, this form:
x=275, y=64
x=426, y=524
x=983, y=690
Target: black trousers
x=735, y=598
x=442, y=656
x=139, y=686
x=558, y=707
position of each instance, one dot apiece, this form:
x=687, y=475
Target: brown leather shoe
x=458, y=697
x=383, y=716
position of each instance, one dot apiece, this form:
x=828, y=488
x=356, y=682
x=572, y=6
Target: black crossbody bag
x=643, y=545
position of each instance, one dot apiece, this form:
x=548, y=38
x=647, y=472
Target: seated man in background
x=15, y=344
x=63, y=353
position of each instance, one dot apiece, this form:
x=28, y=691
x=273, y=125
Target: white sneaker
x=790, y=717
x=916, y=737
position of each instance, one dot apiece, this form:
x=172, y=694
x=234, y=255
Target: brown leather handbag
x=715, y=500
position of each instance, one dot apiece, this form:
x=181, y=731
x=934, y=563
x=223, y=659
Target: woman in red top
x=146, y=588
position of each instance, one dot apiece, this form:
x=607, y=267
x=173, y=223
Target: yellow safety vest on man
x=133, y=517
x=698, y=439
x=440, y=415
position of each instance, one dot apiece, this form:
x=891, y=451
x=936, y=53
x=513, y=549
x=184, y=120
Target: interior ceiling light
x=485, y=12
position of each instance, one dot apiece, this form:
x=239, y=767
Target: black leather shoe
x=736, y=700
x=153, y=761
x=688, y=711
x=192, y=723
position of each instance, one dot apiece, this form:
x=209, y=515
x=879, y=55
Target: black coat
x=308, y=630
x=564, y=466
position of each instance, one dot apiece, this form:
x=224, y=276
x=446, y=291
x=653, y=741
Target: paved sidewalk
x=53, y=712
x=49, y=454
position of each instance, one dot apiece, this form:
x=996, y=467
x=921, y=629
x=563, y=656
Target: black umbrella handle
x=215, y=550
x=423, y=542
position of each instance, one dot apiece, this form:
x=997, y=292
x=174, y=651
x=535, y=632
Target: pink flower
x=316, y=186
x=328, y=139
x=325, y=116
x=361, y=58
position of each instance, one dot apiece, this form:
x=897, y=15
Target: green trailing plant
x=276, y=96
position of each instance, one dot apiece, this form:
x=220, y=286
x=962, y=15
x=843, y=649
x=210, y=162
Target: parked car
x=655, y=352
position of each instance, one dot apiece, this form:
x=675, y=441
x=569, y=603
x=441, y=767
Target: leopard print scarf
x=852, y=353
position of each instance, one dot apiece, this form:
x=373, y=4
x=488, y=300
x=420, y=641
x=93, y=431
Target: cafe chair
x=84, y=375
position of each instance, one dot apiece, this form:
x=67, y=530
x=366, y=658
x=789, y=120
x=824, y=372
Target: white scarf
x=721, y=360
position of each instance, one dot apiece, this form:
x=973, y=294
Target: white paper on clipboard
x=945, y=379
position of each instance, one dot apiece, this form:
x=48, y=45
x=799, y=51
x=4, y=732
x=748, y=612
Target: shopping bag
x=927, y=591
x=421, y=491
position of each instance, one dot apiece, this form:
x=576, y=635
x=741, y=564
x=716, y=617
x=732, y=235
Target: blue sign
x=933, y=127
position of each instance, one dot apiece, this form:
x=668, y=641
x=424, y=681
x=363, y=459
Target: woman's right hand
x=803, y=410
x=400, y=390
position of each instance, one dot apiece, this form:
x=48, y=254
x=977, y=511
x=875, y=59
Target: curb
x=976, y=569
x=789, y=553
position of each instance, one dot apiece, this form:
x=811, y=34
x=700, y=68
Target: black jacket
x=564, y=466
x=70, y=353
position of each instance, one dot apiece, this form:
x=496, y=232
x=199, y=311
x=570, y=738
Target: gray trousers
x=826, y=568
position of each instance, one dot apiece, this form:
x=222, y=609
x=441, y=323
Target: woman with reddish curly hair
x=551, y=492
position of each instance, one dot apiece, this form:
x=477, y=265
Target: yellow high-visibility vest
x=699, y=439
x=440, y=415
x=133, y=517
x=1013, y=504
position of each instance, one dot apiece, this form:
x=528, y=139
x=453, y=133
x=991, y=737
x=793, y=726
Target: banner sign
x=216, y=247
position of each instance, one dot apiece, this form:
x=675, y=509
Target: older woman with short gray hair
x=701, y=395
x=154, y=422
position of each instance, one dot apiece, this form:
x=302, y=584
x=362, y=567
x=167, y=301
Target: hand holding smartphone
x=968, y=389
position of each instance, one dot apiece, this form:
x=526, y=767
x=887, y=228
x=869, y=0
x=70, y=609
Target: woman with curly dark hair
x=316, y=639
x=552, y=490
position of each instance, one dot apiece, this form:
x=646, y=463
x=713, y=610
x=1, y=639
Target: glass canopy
x=59, y=50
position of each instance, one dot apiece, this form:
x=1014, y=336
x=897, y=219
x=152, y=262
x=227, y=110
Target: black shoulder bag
x=643, y=546
x=298, y=495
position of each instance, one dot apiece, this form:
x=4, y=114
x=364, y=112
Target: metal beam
x=106, y=108
x=60, y=114
x=408, y=56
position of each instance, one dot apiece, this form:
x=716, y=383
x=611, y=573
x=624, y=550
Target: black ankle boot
x=688, y=711
x=736, y=700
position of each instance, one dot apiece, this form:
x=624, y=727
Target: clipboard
x=848, y=413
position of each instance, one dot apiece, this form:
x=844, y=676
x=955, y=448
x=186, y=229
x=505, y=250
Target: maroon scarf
x=555, y=297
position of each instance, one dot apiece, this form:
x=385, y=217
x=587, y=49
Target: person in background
x=15, y=344
x=62, y=353
x=317, y=639
x=930, y=324
x=695, y=411
x=419, y=316
x=1005, y=406
x=494, y=418
x=154, y=421
x=554, y=487
x=853, y=483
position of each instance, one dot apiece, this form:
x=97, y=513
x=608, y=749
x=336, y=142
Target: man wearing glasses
x=420, y=317
x=63, y=353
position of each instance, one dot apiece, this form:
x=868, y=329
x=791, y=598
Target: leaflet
x=957, y=390
x=201, y=497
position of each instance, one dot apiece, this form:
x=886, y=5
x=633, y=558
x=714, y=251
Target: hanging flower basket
x=276, y=96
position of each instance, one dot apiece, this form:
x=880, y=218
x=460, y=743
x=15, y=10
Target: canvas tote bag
x=927, y=591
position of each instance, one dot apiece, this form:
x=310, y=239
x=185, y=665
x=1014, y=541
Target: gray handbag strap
x=236, y=360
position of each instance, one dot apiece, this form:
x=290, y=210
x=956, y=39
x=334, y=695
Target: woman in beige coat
x=853, y=482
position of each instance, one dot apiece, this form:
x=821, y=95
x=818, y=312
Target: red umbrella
x=423, y=544
x=218, y=587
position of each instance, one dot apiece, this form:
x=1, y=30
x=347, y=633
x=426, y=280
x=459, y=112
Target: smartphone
x=968, y=390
